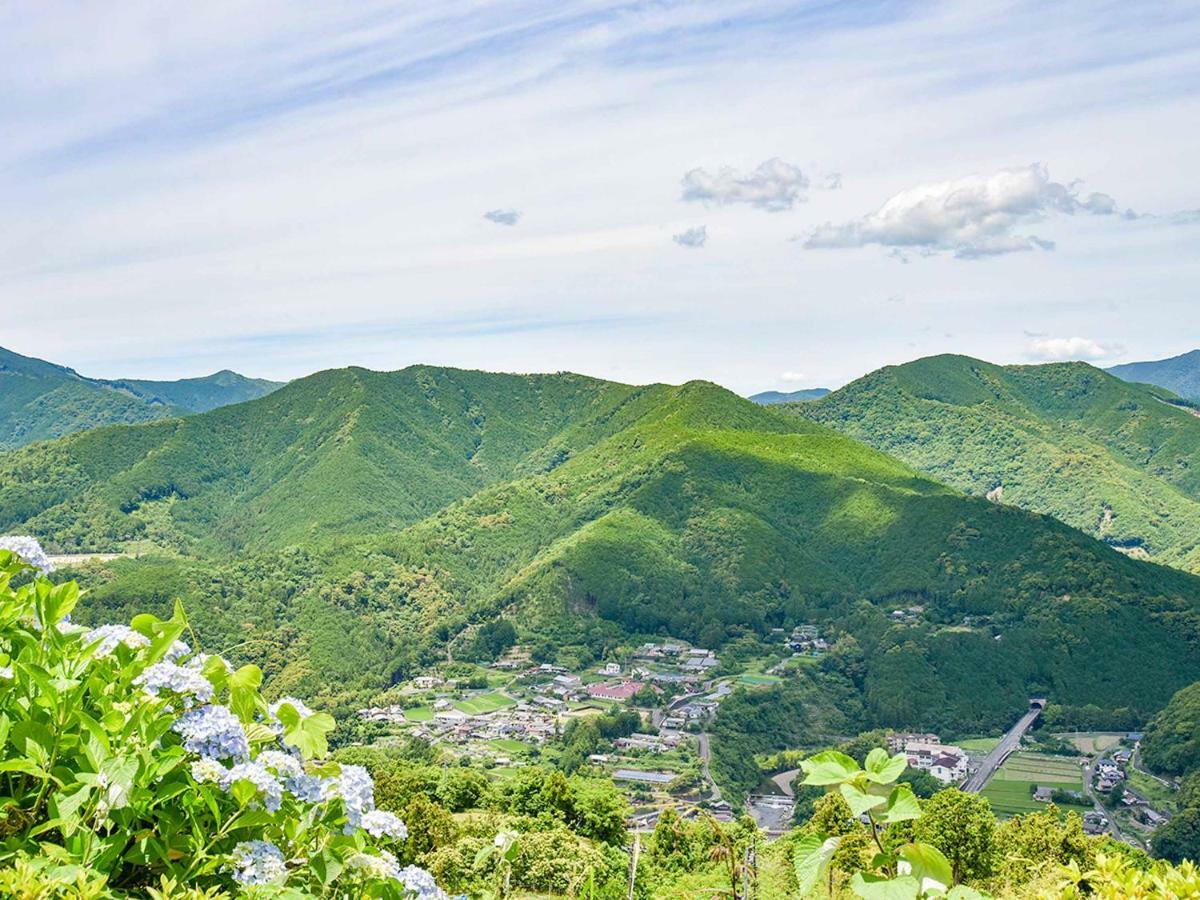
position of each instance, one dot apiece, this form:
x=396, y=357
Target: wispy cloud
x=692, y=237
x=503, y=216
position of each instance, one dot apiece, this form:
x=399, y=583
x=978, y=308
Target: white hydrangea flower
x=208, y=770
x=258, y=862
x=379, y=823
x=110, y=636
x=6, y=672
x=29, y=549
x=382, y=867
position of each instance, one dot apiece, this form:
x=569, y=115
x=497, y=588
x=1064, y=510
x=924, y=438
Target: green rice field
x=1011, y=789
x=484, y=703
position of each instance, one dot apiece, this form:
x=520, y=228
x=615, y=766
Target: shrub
x=133, y=765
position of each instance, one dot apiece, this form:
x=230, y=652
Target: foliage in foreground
x=133, y=766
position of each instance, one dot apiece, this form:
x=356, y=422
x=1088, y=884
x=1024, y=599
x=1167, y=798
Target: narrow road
x=784, y=781
x=705, y=753
x=1010, y=742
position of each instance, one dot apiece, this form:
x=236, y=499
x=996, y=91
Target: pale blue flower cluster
x=166, y=676
x=270, y=789
x=110, y=636
x=379, y=823
x=258, y=862
x=29, y=549
x=213, y=731
x=421, y=883
x=177, y=651
x=381, y=867
x=354, y=787
x=295, y=781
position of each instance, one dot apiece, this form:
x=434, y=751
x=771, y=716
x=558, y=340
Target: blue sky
x=767, y=195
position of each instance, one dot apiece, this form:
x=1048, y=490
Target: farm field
x=484, y=703
x=419, y=714
x=758, y=680
x=1011, y=790
x=980, y=746
x=1092, y=743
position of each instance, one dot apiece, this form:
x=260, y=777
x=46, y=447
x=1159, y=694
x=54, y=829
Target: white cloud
x=503, y=216
x=692, y=237
x=792, y=377
x=971, y=217
x=1071, y=348
x=774, y=186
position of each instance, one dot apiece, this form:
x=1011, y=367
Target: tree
x=1179, y=839
x=961, y=826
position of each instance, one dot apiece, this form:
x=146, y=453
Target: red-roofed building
x=620, y=691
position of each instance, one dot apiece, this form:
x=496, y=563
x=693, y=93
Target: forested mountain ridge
x=354, y=523
x=1179, y=374
x=41, y=400
x=1119, y=461
x=769, y=398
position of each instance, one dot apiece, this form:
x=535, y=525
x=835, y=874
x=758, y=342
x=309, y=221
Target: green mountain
x=41, y=400
x=352, y=525
x=1119, y=461
x=769, y=398
x=199, y=394
x=1179, y=374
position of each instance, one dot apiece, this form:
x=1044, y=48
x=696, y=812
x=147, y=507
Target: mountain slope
x=428, y=501
x=41, y=400
x=769, y=398
x=199, y=394
x=1118, y=461
x=1179, y=374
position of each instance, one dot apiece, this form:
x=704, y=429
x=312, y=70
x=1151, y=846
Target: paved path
x=1010, y=742
x=784, y=781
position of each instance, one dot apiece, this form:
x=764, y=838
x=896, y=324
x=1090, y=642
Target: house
x=425, y=682
x=451, y=716
x=611, y=668
x=898, y=741
x=1043, y=794
x=658, y=778
x=441, y=704
x=949, y=768
x=621, y=691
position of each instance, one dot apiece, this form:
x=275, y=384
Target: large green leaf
x=828, y=767
x=875, y=887
x=881, y=768
x=928, y=865
x=902, y=805
x=860, y=801
x=811, y=859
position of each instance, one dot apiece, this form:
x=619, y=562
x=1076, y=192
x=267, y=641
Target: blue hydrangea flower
x=258, y=862
x=110, y=636
x=213, y=731
x=295, y=781
x=270, y=790
x=421, y=883
x=354, y=787
x=30, y=550
x=166, y=676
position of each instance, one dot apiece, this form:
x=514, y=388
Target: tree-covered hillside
x=1119, y=461
x=41, y=400
x=421, y=504
x=1179, y=374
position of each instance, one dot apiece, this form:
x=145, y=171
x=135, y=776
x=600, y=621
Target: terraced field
x=484, y=703
x=1011, y=790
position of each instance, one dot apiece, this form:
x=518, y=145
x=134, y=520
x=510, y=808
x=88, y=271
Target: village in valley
x=513, y=712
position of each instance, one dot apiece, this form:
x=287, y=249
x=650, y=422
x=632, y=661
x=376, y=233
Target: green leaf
x=902, y=805
x=928, y=865
x=962, y=892
x=829, y=767
x=860, y=801
x=243, y=692
x=308, y=735
x=874, y=887
x=881, y=768
x=812, y=856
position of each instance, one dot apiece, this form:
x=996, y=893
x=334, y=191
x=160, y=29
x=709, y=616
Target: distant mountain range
x=352, y=524
x=40, y=400
x=1179, y=374
x=1119, y=461
x=770, y=398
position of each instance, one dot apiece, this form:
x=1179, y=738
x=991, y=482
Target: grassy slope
x=1116, y=460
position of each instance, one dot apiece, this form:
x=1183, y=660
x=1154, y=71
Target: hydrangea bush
x=130, y=763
